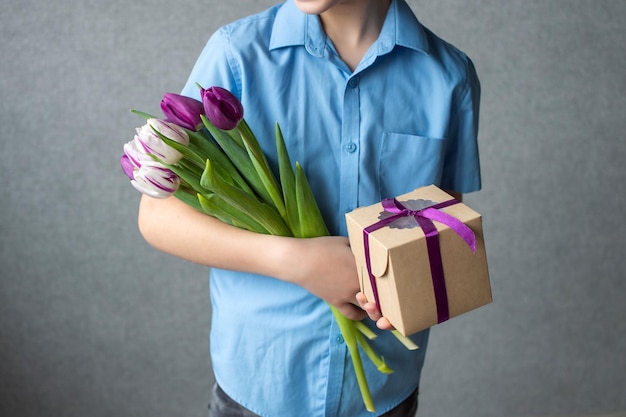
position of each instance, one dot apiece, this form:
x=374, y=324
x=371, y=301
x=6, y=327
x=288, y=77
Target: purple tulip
x=221, y=107
x=182, y=110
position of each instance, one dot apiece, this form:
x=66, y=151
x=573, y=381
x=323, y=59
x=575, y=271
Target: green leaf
x=288, y=182
x=234, y=135
x=142, y=114
x=190, y=167
x=240, y=160
x=188, y=197
x=215, y=206
x=311, y=221
x=203, y=144
x=185, y=150
x=207, y=149
x=215, y=169
x=262, y=167
x=249, y=204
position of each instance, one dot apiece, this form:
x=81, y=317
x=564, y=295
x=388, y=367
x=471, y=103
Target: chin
x=315, y=6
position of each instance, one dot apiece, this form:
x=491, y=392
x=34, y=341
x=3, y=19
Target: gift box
x=421, y=258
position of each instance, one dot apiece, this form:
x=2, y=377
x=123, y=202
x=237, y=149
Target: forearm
x=324, y=266
x=177, y=229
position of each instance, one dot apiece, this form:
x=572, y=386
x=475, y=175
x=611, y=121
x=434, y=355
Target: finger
x=384, y=324
x=370, y=308
x=372, y=311
x=361, y=299
x=352, y=312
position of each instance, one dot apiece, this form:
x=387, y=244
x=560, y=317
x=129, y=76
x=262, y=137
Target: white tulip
x=149, y=141
x=155, y=180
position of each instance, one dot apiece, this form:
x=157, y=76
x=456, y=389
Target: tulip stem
x=408, y=343
x=350, y=336
x=378, y=361
x=366, y=331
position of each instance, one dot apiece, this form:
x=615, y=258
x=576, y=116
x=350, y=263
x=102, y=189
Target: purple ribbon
x=424, y=218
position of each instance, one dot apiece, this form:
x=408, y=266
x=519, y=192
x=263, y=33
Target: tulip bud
x=221, y=107
x=154, y=180
x=181, y=110
x=148, y=141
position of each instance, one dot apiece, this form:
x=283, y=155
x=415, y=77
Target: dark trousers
x=222, y=405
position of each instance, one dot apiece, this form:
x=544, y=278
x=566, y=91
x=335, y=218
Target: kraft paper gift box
x=427, y=258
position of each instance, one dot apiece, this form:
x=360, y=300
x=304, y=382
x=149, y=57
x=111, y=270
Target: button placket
x=350, y=138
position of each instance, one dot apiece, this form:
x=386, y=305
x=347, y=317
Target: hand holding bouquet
x=205, y=154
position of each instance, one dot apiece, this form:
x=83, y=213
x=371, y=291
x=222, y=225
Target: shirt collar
x=293, y=28
x=401, y=28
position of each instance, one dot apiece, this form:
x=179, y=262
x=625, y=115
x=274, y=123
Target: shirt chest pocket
x=407, y=162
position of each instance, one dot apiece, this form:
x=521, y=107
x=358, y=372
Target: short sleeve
x=213, y=67
x=461, y=171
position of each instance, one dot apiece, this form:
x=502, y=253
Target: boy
x=372, y=105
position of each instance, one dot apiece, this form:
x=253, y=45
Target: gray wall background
x=93, y=322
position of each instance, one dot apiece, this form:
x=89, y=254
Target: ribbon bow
x=424, y=218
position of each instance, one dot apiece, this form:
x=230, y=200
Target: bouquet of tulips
x=204, y=153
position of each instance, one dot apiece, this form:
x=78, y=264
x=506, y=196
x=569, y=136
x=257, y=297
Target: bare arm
x=324, y=266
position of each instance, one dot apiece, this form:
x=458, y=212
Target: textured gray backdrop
x=95, y=323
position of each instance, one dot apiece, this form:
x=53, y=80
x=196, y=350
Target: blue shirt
x=405, y=117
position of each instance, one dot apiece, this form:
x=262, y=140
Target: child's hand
x=373, y=312
x=325, y=266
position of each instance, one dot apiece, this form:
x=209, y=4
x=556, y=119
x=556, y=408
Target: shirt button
x=350, y=147
x=339, y=339
x=353, y=82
